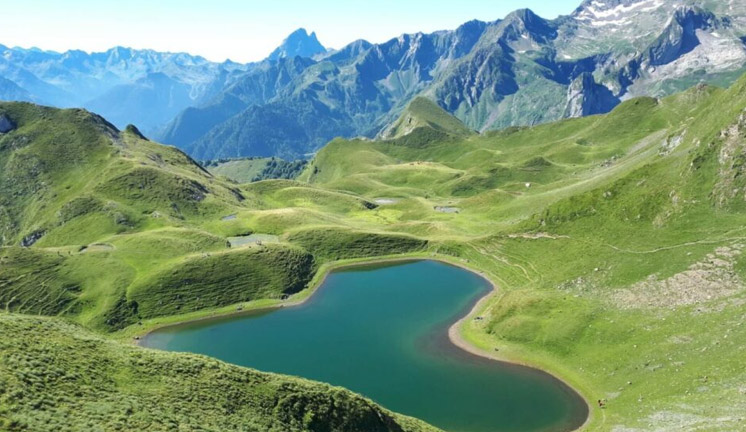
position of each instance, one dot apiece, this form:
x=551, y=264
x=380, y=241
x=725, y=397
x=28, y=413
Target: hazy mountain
x=298, y=44
x=11, y=91
x=128, y=86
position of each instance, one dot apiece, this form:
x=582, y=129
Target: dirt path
x=665, y=248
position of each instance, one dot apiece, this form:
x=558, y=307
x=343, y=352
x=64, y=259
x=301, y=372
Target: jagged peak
x=298, y=44
x=699, y=17
x=470, y=25
x=524, y=14
x=526, y=23
x=679, y=36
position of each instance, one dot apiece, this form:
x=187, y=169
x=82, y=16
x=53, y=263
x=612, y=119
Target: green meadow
x=616, y=243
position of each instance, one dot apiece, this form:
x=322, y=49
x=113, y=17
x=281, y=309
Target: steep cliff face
x=695, y=46
x=586, y=97
x=680, y=36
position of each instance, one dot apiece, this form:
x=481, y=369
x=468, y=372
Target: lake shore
x=455, y=334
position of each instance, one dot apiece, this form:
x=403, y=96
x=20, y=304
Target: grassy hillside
x=424, y=113
x=616, y=240
x=58, y=376
x=247, y=170
x=242, y=275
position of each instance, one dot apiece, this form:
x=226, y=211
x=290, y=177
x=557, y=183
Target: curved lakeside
x=389, y=330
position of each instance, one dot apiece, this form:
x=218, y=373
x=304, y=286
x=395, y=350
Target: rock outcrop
x=680, y=36
x=6, y=124
x=586, y=97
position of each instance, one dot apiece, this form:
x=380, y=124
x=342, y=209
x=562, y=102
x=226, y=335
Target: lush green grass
x=243, y=275
x=58, y=376
x=336, y=243
x=616, y=240
x=572, y=220
x=247, y=170
x=422, y=113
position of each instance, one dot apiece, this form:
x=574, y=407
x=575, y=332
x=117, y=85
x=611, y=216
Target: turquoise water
x=382, y=331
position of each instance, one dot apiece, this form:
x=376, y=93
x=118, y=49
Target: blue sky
x=242, y=30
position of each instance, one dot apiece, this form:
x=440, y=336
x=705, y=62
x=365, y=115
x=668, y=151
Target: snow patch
x=597, y=16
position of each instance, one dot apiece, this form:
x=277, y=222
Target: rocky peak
x=680, y=35
x=350, y=52
x=120, y=53
x=465, y=37
x=695, y=17
x=298, y=44
x=524, y=23
x=132, y=129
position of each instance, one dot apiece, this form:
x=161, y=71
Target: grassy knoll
x=243, y=275
x=58, y=376
x=336, y=244
x=617, y=241
x=247, y=170
x=424, y=113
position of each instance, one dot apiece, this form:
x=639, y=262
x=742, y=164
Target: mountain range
x=517, y=71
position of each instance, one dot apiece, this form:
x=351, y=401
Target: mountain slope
x=118, y=386
x=422, y=112
x=100, y=225
x=70, y=181
x=11, y=91
x=617, y=241
x=522, y=70
x=255, y=88
x=97, y=172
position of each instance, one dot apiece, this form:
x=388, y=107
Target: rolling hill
x=159, y=391
x=616, y=241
